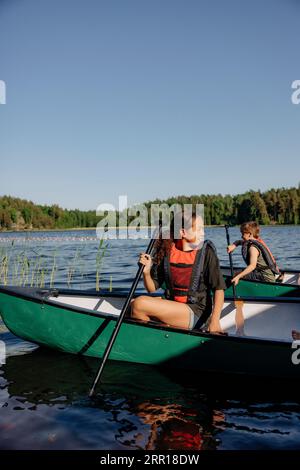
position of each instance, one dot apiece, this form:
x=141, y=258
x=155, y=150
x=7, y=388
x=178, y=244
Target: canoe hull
x=80, y=331
x=291, y=277
x=261, y=289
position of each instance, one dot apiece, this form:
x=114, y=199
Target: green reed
x=72, y=268
x=99, y=259
x=23, y=268
x=4, y=266
x=53, y=269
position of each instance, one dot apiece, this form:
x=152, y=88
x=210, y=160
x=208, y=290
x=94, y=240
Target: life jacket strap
x=197, y=273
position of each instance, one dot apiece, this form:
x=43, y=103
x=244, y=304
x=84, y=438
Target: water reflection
x=174, y=426
x=136, y=407
x=45, y=406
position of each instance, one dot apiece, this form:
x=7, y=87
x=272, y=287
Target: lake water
x=43, y=394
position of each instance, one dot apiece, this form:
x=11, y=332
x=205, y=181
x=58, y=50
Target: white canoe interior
x=288, y=278
x=271, y=320
x=291, y=278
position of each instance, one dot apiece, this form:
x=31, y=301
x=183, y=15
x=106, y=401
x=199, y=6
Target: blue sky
x=149, y=98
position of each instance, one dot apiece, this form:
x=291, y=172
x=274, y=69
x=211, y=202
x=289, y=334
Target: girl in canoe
x=188, y=269
x=261, y=264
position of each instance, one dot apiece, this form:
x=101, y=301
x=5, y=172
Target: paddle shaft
x=120, y=319
x=230, y=260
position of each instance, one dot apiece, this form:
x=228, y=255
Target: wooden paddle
x=122, y=314
x=239, y=317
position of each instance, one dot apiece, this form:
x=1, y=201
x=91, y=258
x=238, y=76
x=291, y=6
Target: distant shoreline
x=84, y=229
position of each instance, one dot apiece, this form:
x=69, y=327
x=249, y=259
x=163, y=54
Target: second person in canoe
x=261, y=264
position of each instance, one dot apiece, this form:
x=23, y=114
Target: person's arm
x=233, y=246
x=146, y=261
x=214, y=324
x=149, y=283
x=254, y=253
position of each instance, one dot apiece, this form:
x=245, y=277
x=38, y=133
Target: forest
x=275, y=206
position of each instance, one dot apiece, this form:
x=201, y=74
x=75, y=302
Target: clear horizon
x=149, y=99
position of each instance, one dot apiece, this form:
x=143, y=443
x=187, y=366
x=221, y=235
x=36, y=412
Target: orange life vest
x=183, y=272
x=181, y=267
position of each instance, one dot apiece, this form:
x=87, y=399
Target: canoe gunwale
x=287, y=270
x=263, y=283
x=34, y=294
x=31, y=297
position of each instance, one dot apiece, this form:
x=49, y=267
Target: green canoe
x=261, y=289
x=289, y=276
x=258, y=340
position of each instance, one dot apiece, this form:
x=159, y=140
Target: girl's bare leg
x=167, y=311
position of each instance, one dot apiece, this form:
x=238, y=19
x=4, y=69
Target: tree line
x=275, y=206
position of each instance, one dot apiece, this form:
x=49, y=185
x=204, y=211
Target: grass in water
x=99, y=259
x=23, y=268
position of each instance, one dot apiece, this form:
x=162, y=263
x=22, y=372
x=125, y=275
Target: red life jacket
x=183, y=272
x=181, y=267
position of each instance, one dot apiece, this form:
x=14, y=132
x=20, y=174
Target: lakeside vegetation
x=27, y=266
x=275, y=206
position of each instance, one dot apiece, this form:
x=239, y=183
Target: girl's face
x=195, y=233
